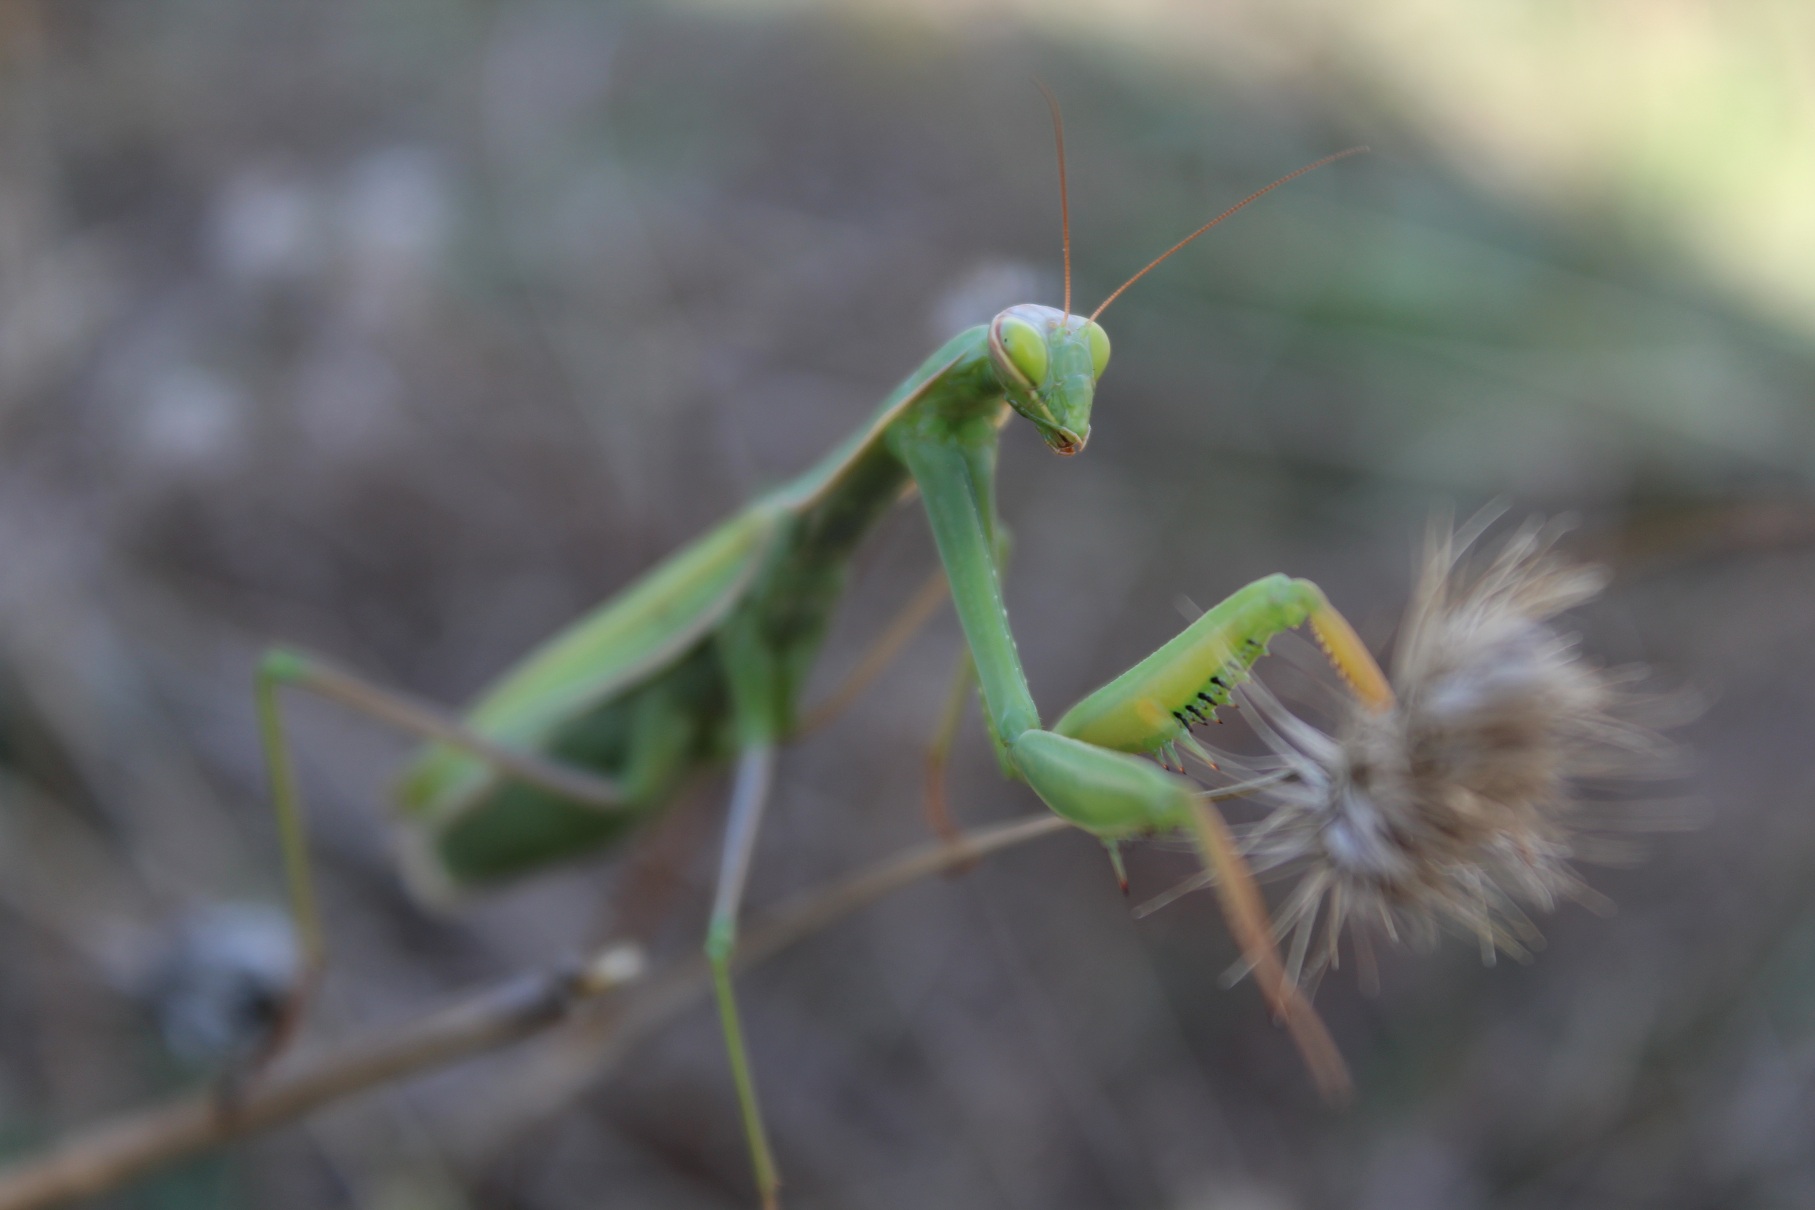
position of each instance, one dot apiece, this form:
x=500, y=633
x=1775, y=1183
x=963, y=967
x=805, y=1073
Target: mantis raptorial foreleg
x=1085, y=769
x=951, y=714
x=1151, y=707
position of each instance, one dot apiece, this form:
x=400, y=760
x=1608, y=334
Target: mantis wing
x=644, y=633
x=624, y=642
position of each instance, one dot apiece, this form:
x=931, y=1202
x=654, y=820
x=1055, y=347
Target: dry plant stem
x=113, y=1153
x=901, y=630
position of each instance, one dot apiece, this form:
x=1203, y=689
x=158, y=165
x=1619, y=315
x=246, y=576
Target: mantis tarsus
x=704, y=660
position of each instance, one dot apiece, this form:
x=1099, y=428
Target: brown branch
x=112, y=1153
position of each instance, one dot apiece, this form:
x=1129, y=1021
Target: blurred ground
x=408, y=331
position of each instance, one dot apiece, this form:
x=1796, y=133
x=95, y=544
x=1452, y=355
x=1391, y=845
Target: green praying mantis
x=703, y=662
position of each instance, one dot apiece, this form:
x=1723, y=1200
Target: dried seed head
x=1468, y=800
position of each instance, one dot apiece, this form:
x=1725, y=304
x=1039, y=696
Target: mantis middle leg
x=749, y=795
x=755, y=675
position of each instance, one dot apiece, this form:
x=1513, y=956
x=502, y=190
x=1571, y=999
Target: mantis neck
x=948, y=442
x=953, y=400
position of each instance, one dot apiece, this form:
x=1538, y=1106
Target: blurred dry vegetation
x=407, y=330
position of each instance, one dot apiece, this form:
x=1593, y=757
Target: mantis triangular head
x=1048, y=363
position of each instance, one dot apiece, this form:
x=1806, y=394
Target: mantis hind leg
x=281, y=668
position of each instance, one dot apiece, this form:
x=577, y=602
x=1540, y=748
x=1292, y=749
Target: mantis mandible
x=704, y=659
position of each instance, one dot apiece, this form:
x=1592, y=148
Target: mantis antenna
x=1058, y=134
x=1158, y=260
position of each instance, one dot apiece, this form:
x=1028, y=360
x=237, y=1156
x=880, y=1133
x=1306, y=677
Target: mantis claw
x=1351, y=658
x=1114, y=849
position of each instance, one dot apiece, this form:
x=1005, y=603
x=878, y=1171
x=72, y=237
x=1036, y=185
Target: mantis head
x=1048, y=363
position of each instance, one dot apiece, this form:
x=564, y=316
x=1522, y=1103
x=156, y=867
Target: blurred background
x=406, y=331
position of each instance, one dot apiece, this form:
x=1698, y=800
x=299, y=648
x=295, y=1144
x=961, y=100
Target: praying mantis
x=703, y=662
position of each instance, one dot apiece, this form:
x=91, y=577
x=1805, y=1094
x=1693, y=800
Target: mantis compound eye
x=1099, y=346
x=1025, y=346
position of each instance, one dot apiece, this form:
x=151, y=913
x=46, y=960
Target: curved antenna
x=1058, y=134
x=1255, y=196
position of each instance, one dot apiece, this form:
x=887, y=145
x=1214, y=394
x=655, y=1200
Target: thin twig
x=113, y=1153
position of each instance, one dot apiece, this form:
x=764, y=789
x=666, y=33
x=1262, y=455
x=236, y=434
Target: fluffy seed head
x=1468, y=800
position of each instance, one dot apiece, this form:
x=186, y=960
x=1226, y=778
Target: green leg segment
x=749, y=795
x=286, y=801
x=1109, y=793
x=280, y=669
x=956, y=484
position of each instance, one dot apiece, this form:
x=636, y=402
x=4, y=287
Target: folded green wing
x=617, y=646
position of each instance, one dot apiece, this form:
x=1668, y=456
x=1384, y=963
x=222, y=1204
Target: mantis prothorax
x=704, y=660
